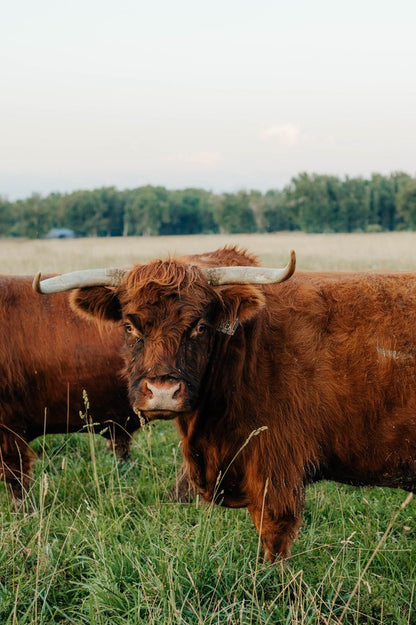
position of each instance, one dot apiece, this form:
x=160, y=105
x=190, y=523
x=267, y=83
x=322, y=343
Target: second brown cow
x=48, y=357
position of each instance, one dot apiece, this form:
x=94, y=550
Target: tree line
x=311, y=202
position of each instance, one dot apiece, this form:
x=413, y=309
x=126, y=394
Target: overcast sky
x=223, y=95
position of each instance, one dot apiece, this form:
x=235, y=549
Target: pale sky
x=220, y=94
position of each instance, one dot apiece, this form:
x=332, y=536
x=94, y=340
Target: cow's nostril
x=177, y=391
x=147, y=390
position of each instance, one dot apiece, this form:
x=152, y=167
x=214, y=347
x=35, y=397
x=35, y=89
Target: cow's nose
x=164, y=394
x=171, y=391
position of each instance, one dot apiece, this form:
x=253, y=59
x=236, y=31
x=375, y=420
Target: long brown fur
x=48, y=357
x=318, y=381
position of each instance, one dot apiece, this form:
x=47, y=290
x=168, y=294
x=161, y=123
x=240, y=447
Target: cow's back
x=48, y=357
x=347, y=346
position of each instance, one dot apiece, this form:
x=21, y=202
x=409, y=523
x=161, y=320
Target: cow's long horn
x=113, y=277
x=250, y=275
x=79, y=280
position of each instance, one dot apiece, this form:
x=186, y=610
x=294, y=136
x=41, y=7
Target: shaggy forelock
x=158, y=279
x=164, y=275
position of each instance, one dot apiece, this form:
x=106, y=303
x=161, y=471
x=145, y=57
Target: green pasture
x=104, y=545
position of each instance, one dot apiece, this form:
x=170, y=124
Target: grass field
x=103, y=545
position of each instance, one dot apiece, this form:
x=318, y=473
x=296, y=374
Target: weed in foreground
x=103, y=546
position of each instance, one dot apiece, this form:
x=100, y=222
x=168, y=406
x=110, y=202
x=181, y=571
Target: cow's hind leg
x=118, y=440
x=277, y=532
x=16, y=460
x=184, y=489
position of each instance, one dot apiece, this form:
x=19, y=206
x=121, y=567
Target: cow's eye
x=128, y=328
x=201, y=328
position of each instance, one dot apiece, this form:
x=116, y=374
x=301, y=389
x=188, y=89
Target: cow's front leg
x=16, y=459
x=277, y=531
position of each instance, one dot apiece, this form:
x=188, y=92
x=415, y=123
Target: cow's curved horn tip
x=36, y=283
x=293, y=259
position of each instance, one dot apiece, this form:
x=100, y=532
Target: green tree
x=6, y=218
x=112, y=202
x=353, y=206
x=31, y=217
x=406, y=203
x=381, y=202
x=316, y=202
x=399, y=180
x=383, y=193
x=82, y=212
x=145, y=210
x=233, y=213
x=278, y=211
x=93, y=213
x=257, y=203
x=311, y=202
x=190, y=212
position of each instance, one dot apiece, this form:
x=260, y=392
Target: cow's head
x=173, y=314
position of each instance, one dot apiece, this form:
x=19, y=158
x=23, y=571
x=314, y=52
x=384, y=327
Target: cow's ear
x=241, y=301
x=99, y=302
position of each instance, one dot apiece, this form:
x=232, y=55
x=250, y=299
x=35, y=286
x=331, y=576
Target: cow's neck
x=212, y=461
x=210, y=450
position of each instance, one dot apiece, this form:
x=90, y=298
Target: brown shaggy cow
x=48, y=357
x=272, y=387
